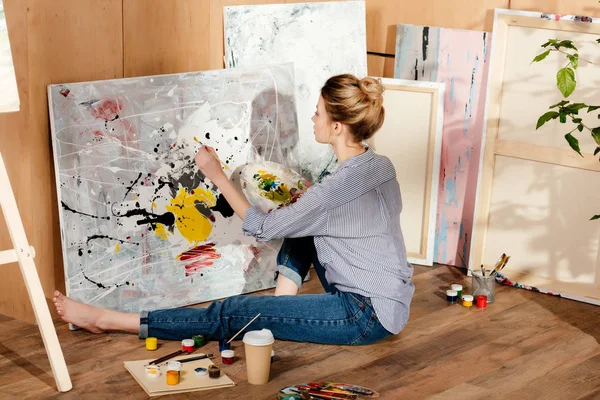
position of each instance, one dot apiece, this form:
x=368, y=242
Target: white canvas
x=9, y=100
x=141, y=227
x=321, y=39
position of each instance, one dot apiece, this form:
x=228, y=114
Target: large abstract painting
x=9, y=100
x=141, y=227
x=459, y=59
x=321, y=39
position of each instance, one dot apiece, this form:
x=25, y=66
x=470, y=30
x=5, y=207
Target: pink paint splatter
x=106, y=110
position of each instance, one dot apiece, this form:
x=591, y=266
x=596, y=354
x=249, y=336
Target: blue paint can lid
x=451, y=293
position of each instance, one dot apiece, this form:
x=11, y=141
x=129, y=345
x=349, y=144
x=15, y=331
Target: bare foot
x=82, y=315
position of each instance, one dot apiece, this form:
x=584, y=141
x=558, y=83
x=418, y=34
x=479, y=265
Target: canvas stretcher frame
x=420, y=248
x=497, y=153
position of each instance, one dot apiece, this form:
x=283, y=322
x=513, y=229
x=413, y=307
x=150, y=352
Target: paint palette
x=269, y=185
x=326, y=390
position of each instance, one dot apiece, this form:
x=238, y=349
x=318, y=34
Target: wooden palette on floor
x=188, y=381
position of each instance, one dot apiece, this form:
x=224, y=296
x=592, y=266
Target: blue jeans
x=334, y=317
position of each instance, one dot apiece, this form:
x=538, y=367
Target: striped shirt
x=354, y=216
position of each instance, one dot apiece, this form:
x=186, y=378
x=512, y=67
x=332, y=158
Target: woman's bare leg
x=285, y=287
x=94, y=319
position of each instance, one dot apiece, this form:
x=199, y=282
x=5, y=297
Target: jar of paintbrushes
x=484, y=281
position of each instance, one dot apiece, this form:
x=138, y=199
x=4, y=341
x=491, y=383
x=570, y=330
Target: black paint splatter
x=425, y=45
x=416, y=69
x=167, y=218
x=207, y=135
x=93, y=237
x=223, y=207
x=102, y=286
x=66, y=207
x=132, y=185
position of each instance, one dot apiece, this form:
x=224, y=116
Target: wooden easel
x=23, y=253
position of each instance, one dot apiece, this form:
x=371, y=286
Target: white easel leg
x=24, y=254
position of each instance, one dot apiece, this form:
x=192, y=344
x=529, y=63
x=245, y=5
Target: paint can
x=198, y=340
x=174, y=366
x=458, y=288
x=451, y=296
x=227, y=356
x=153, y=371
x=201, y=371
x=223, y=345
x=187, y=345
x=467, y=300
x=214, y=371
x=172, y=377
x=481, y=301
x=151, y=343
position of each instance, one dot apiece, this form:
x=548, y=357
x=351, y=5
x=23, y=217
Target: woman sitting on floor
x=348, y=227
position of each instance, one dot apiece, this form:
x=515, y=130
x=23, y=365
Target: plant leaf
x=598, y=40
x=596, y=135
x=573, y=142
x=576, y=120
x=568, y=44
x=574, y=60
x=580, y=127
x=565, y=81
x=563, y=117
x=562, y=103
x=597, y=150
x=545, y=118
x=595, y=216
x=592, y=108
x=573, y=108
x=540, y=57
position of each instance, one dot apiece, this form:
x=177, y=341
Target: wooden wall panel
x=163, y=37
x=14, y=141
x=588, y=8
x=383, y=15
x=66, y=41
x=380, y=66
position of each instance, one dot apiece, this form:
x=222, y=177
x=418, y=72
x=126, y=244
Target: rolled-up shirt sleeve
x=306, y=217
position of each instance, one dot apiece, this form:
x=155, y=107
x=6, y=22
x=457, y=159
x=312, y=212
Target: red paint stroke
x=200, y=257
x=65, y=92
x=107, y=110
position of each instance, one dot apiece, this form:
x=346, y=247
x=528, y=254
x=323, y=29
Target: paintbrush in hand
x=214, y=155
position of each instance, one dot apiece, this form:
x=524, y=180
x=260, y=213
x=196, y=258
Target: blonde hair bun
x=373, y=88
x=358, y=103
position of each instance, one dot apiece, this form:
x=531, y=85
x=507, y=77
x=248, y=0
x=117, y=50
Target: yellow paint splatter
x=117, y=247
x=191, y=223
x=160, y=231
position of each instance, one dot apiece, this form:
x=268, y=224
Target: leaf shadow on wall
x=549, y=229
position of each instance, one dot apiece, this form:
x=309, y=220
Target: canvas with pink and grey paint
x=141, y=226
x=460, y=59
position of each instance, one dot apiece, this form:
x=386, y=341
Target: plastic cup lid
x=451, y=293
x=227, y=353
x=467, y=297
x=264, y=337
x=456, y=287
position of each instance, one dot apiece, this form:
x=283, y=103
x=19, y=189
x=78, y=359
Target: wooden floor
x=525, y=345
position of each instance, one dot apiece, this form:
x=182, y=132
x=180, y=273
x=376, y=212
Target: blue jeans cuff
x=143, y=334
x=290, y=274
